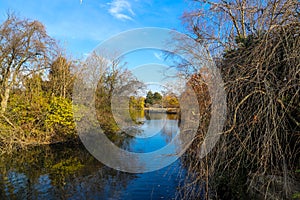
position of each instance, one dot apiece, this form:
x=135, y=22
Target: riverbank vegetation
x=36, y=86
x=37, y=80
x=256, y=45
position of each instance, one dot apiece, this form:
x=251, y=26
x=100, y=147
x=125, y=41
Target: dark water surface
x=70, y=172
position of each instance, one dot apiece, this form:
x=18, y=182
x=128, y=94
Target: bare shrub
x=258, y=152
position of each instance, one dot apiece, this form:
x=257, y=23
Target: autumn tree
x=170, y=101
x=136, y=103
x=61, y=78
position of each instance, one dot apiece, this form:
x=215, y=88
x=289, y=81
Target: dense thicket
x=259, y=150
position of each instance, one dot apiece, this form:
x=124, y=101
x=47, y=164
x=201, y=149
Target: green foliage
x=35, y=116
x=69, y=166
x=296, y=195
x=152, y=99
x=60, y=78
x=42, y=115
x=103, y=110
x=157, y=97
x=136, y=103
x=132, y=102
x=60, y=117
x=28, y=109
x=149, y=98
x=246, y=41
x=27, y=112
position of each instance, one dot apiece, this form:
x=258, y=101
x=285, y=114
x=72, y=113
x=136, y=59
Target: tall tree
x=25, y=48
x=149, y=98
x=157, y=97
x=60, y=78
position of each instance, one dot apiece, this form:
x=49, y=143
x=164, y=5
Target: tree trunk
x=5, y=100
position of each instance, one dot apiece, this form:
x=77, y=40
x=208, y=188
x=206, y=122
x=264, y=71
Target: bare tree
x=225, y=23
x=25, y=48
x=107, y=83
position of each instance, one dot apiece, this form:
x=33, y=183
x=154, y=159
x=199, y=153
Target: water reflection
x=157, y=130
x=58, y=173
x=70, y=172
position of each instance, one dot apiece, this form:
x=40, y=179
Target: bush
x=59, y=118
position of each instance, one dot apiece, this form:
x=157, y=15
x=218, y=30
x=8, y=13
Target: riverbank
x=163, y=110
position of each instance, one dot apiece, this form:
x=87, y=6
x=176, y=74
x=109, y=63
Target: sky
x=80, y=25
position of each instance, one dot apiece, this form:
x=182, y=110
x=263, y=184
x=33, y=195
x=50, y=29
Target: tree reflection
x=58, y=172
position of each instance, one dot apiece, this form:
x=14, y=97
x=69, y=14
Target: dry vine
x=259, y=151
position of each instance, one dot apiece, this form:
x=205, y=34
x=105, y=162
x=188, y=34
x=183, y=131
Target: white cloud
x=121, y=9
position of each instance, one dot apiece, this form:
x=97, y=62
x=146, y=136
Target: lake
x=71, y=172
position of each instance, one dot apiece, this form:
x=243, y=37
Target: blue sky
x=80, y=25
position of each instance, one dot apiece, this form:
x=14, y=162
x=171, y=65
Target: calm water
x=68, y=172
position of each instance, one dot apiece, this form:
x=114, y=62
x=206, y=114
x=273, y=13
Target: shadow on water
x=70, y=172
